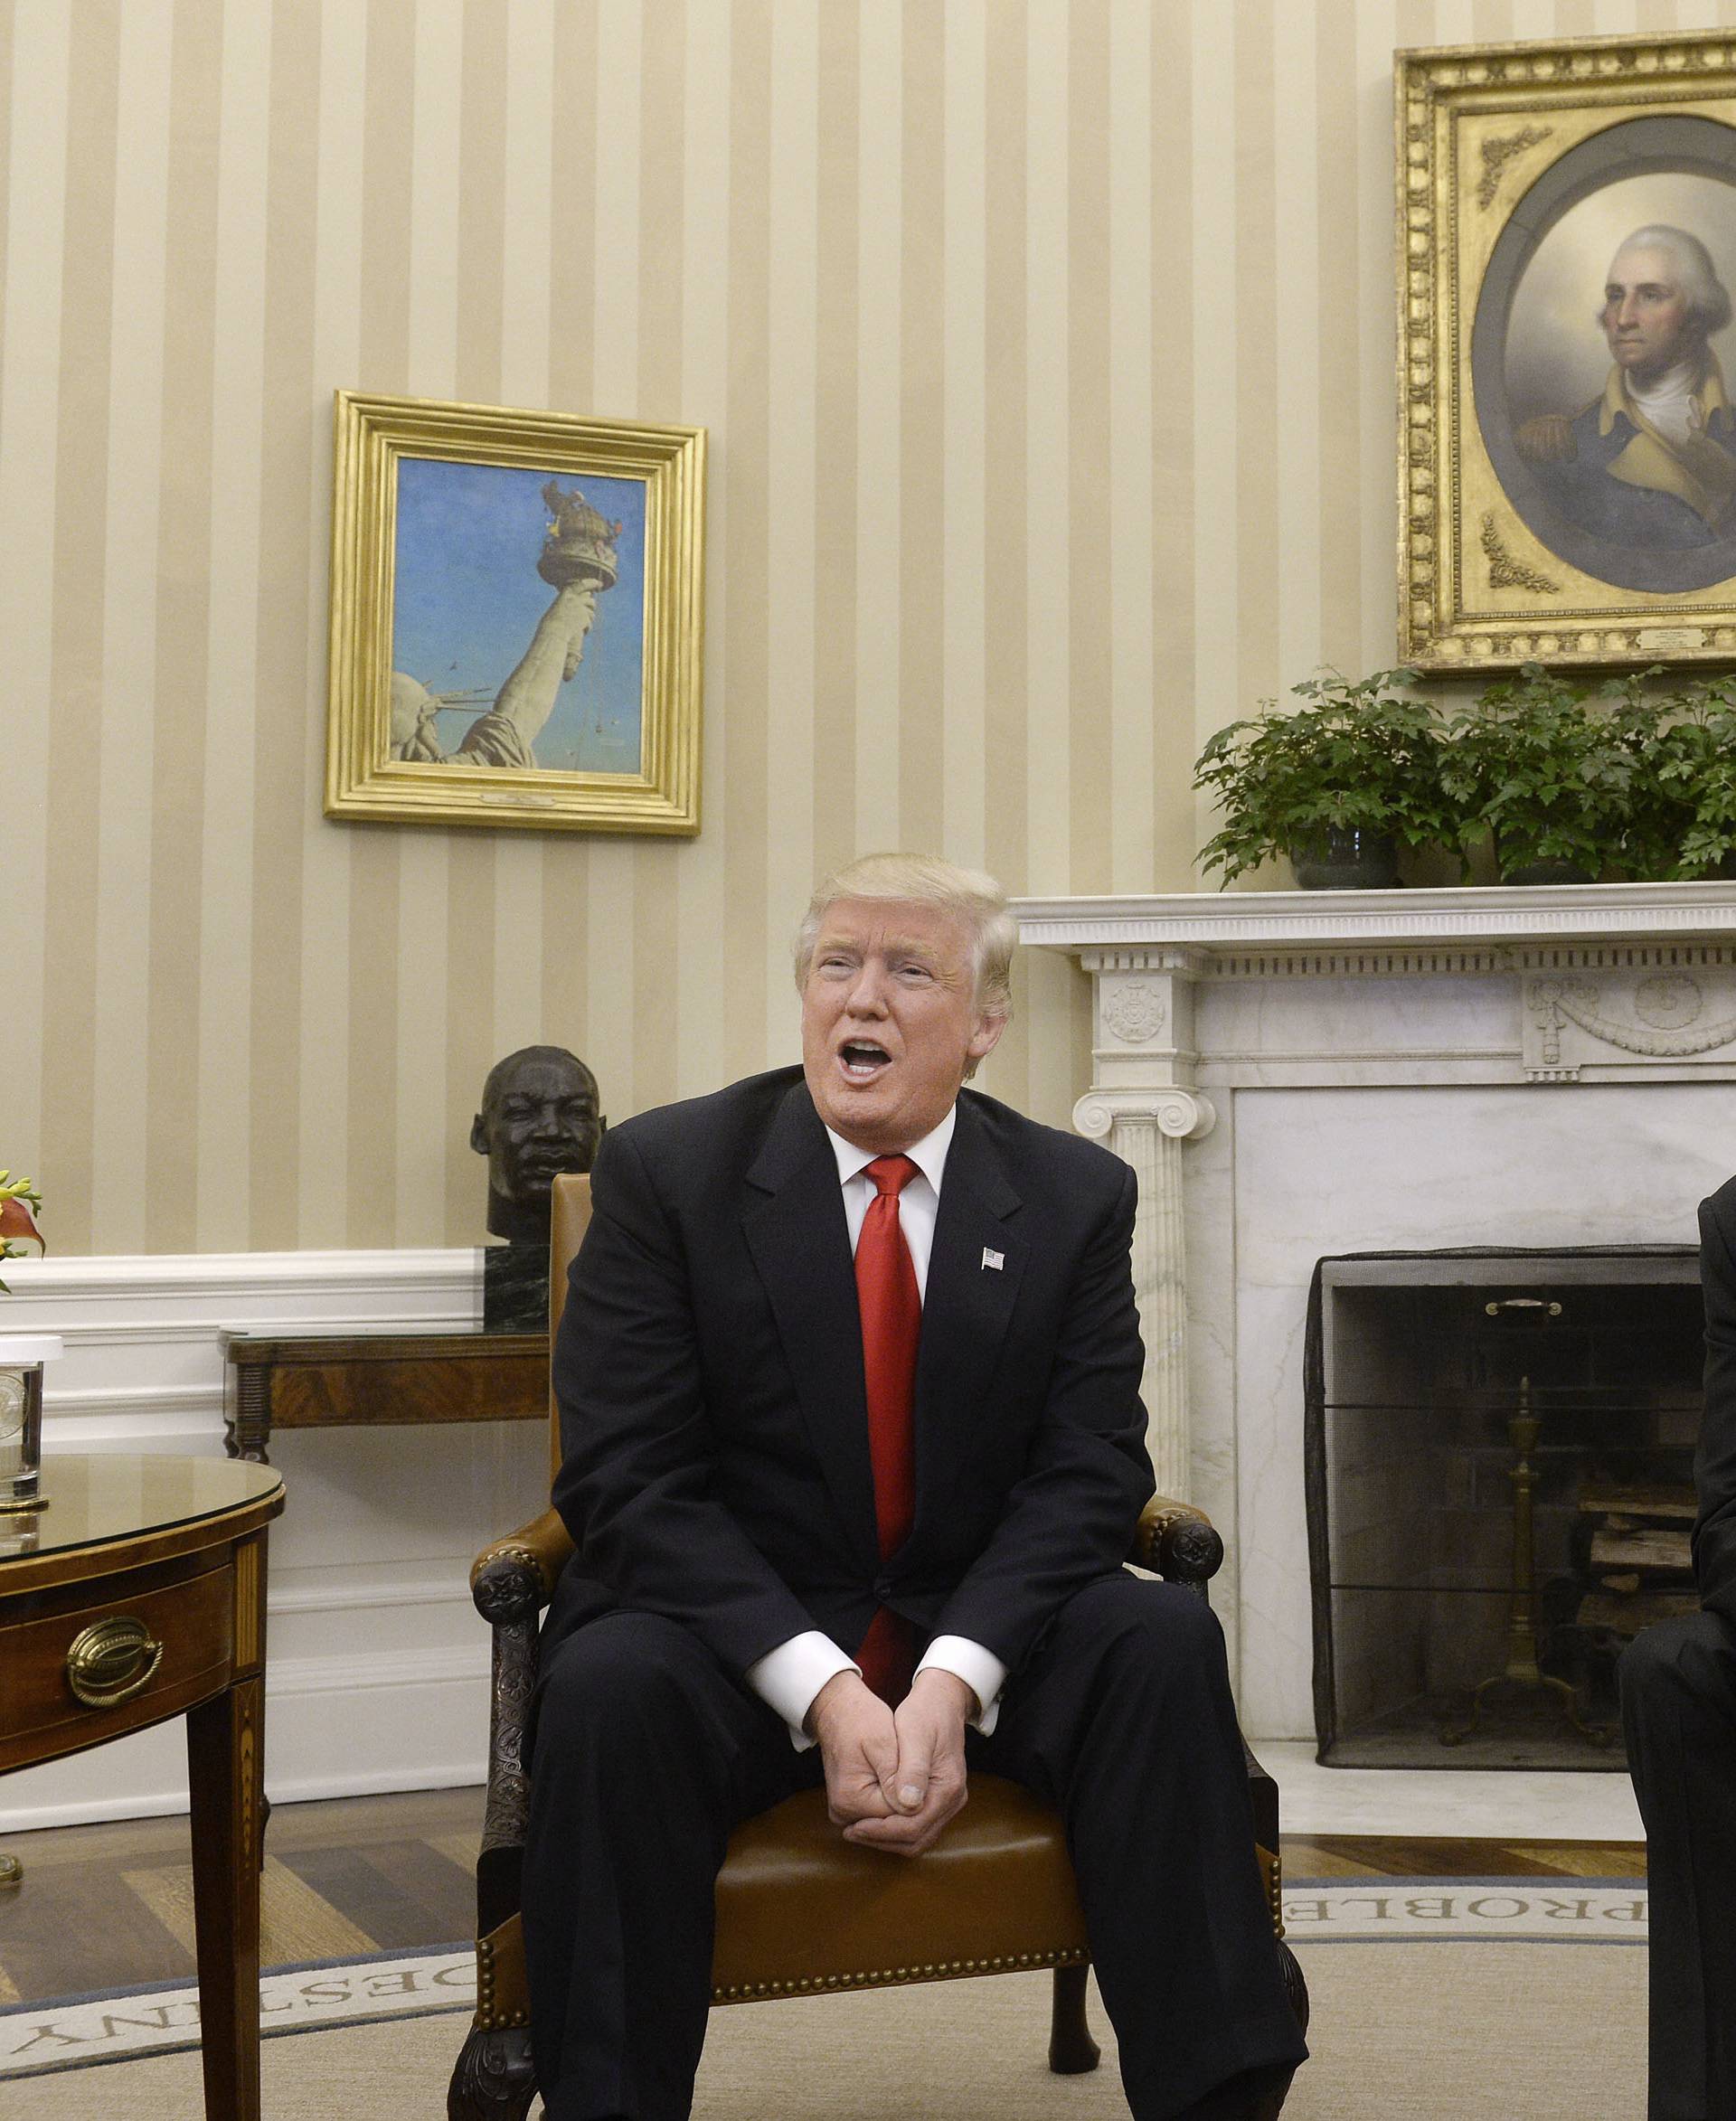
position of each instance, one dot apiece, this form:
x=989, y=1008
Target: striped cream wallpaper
x=1045, y=347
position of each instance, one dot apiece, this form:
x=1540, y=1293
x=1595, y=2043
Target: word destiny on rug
x=1557, y=1910
x=39, y=2037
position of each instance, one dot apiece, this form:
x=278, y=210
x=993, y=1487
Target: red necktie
x=891, y=1325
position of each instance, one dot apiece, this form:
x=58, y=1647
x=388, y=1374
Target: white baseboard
x=334, y=1728
x=377, y=1661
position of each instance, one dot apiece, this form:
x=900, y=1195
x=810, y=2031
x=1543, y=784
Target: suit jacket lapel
x=966, y=1310
x=800, y=1243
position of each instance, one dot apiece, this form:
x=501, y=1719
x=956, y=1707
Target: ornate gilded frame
x=363, y=779
x=1491, y=142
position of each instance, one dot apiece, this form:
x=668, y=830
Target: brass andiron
x=1522, y=1671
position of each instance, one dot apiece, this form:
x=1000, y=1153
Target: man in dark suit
x=849, y=1385
x=1678, y=1705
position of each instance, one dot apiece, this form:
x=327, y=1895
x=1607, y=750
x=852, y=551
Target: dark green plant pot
x=1347, y=862
x=1547, y=872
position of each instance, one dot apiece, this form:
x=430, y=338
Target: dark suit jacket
x=1714, y=1461
x=709, y=1374
x=1593, y=498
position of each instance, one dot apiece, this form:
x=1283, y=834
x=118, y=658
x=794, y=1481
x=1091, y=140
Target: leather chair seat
x=798, y=1910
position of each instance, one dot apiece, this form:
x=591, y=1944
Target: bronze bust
x=539, y=1117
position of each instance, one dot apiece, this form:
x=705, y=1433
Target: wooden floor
x=103, y=1908
x=110, y=1907
x=1395, y=1856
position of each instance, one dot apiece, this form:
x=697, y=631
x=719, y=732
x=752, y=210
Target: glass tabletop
x=119, y=1495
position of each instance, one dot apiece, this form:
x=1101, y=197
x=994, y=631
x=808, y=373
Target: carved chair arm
x=511, y=1581
x=515, y=1577
x=1178, y=1543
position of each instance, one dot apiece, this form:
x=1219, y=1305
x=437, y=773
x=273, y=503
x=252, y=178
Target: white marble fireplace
x=1301, y=1074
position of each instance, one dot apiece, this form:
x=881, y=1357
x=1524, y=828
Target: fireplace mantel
x=1477, y=917
x=1298, y=1074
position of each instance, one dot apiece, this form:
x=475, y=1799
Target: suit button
x=882, y=1588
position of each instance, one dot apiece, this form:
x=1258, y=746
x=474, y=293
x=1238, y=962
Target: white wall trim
x=453, y=1270
x=361, y=1597
x=386, y=1672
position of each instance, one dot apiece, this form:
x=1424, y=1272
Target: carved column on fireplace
x=1143, y=1105
x=1146, y=1129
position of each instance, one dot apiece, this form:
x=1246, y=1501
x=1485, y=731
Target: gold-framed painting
x=1566, y=353
x=517, y=619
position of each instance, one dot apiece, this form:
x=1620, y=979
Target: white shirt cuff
x=787, y=1679
x=981, y=1671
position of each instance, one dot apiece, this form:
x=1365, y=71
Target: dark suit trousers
x=1678, y=1707
x=647, y=1755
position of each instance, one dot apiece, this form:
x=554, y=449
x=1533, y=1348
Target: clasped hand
x=894, y=1777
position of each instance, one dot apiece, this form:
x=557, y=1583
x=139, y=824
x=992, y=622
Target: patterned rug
x=1501, y=2025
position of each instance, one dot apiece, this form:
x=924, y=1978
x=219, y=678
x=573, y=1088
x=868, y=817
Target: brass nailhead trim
x=890, y=1976
x=488, y=2019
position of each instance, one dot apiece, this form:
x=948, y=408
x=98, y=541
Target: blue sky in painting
x=468, y=598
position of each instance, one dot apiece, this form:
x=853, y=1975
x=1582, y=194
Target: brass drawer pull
x=111, y=1661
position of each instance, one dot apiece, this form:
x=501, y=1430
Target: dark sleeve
x=1071, y=1516
x=635, y=1484
x=1714, y=1461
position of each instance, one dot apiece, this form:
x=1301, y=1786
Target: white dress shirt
x=787, y=1679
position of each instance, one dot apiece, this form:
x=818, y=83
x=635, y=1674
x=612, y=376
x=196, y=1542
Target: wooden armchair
x=800, y=1912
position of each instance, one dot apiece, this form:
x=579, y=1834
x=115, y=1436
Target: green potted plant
x=1338, y=785
x=1682, y=822
x=1547, y=773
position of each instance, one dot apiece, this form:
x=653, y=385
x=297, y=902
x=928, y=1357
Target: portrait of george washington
x=1651, y=460
x=1601, y=354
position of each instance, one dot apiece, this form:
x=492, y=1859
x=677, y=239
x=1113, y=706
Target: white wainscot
x=377, y=1667
x=1297, y=1075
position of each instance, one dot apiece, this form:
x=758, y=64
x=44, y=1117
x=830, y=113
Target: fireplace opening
x=1498, y=1451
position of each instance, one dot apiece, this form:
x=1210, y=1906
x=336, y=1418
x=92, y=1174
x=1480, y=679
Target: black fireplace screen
x=1498, y=1455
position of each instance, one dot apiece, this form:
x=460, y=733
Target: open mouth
x=862, y=1060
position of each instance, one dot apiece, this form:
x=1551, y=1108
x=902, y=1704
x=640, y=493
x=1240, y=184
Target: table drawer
x=180, y=1643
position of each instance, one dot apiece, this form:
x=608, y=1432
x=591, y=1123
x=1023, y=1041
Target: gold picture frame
x=1542, y=517
x=517, y=610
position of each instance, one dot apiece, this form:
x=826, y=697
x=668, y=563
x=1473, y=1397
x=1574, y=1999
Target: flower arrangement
x=20, y=1204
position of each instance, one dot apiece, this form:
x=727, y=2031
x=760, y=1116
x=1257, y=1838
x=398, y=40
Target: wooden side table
x=337, y=1381
x=138, y=1594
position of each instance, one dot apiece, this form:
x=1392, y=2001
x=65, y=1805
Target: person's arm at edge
x=1714, y=1462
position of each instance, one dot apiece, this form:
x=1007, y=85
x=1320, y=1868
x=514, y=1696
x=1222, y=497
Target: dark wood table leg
x=225, y=1757
x=247, y=1413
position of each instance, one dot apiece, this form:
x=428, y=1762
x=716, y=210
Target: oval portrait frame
x=1678, y=145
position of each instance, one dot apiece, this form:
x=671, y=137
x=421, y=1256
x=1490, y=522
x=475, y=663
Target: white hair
x=1708, y=301
x=924, y=879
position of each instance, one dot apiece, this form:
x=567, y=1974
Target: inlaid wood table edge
x=126, y=1630
x=360, y=1380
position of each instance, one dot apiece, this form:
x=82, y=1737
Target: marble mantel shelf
x=1218, y=923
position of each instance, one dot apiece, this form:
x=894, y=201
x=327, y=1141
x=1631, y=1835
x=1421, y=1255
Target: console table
x=137, y=1595
x=340, y=1380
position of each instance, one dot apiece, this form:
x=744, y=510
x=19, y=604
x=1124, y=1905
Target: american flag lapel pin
x=993, y=1260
